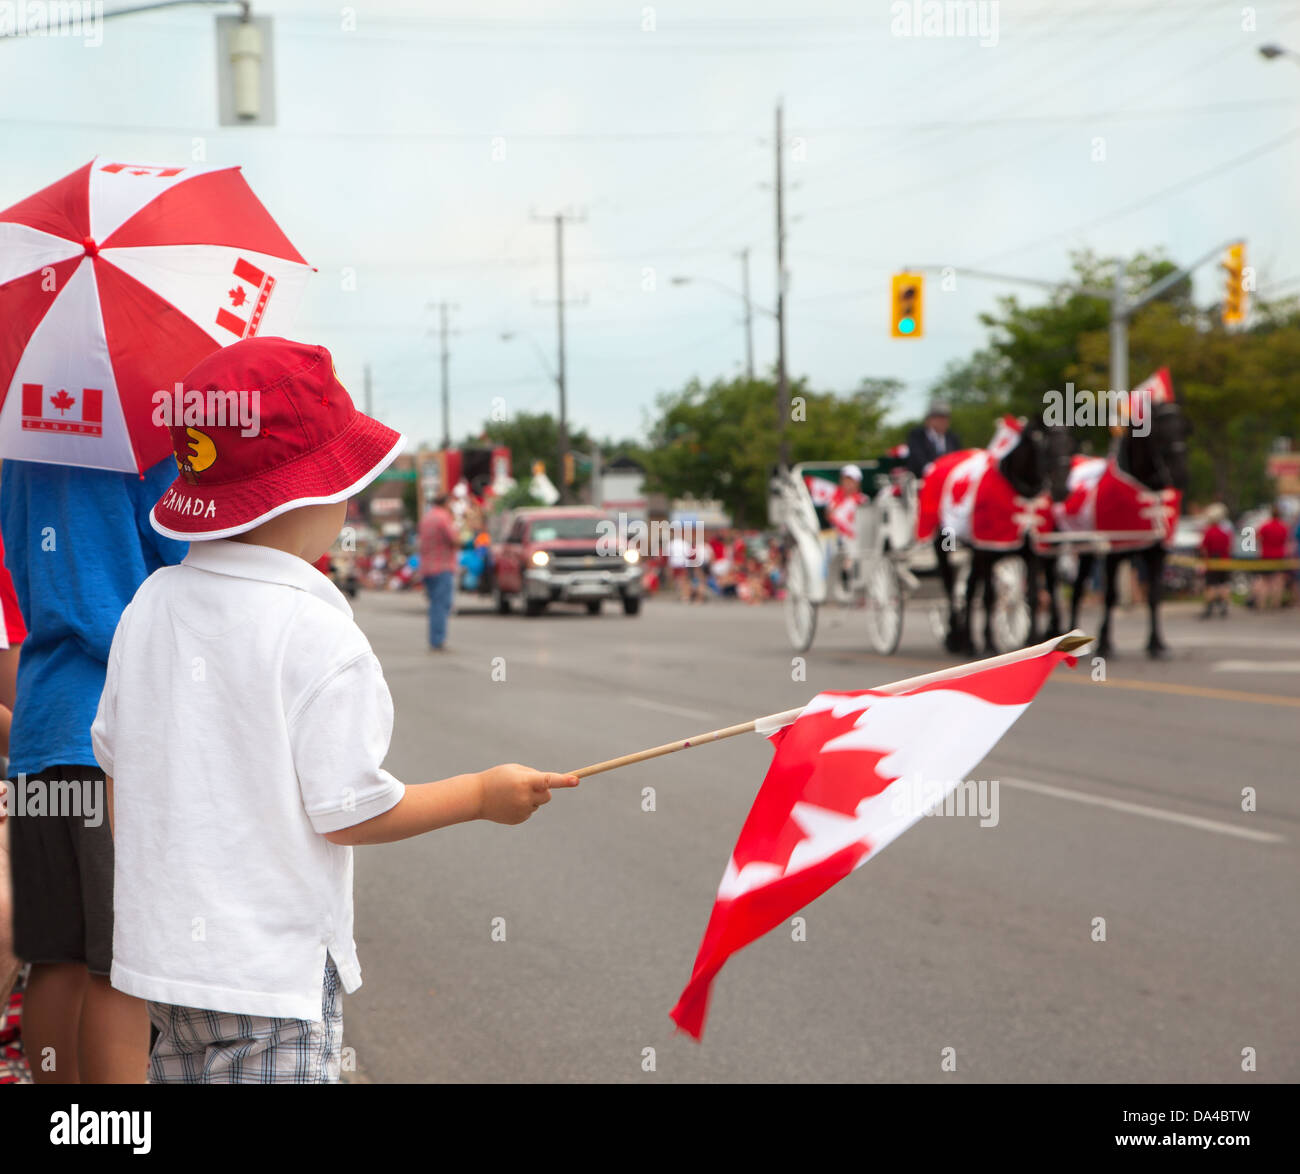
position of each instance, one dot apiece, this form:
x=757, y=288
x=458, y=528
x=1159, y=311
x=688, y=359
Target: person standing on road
x=678, y=556
x=78, y=543
x=1273, y=538
x=439, y=550
x=235, y=794
x=1216, y=542
x=12, y=634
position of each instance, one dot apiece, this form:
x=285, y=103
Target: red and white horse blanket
x=1102, y=497
x=966, y=494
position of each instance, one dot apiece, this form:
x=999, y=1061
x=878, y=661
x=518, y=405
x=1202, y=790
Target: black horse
x=1038, y=464
x=1158, y=461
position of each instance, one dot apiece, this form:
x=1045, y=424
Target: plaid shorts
x=196, y=1046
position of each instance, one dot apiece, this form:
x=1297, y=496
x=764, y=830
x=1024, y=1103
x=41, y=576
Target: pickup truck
x=559, y=554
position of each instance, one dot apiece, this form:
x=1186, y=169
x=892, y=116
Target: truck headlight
x=540, y=558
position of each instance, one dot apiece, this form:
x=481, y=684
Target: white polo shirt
x=243, y=715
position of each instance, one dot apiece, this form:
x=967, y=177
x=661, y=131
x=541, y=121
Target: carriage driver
x=927, y=442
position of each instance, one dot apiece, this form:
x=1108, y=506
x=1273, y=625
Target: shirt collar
x=244, y=560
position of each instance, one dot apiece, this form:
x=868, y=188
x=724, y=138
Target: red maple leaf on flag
x=837, y=783
x=63, y=401
x=835, y=795
x=959, y=488
x=238, y=296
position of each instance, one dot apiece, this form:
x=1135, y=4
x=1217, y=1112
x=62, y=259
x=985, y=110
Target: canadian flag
x=61, y=409
x=850, y=774
x=820, y=490
x=253, y=305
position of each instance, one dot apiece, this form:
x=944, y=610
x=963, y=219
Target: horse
x=993, y=501
x=1138, y=488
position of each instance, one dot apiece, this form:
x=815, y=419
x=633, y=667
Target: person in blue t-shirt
x=78, y=543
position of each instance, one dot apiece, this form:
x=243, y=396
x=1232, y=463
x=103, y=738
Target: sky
x=419, y=148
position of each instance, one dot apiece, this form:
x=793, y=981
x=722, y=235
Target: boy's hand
x=511, y=793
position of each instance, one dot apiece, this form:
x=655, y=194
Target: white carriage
x=882, y=566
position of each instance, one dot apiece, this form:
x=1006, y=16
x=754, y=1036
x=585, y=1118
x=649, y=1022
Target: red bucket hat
x=259, y=428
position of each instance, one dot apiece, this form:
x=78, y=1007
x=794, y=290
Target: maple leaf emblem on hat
x=237, y=296
x=63, y=401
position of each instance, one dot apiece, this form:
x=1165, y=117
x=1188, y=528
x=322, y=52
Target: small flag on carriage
x=851, y=773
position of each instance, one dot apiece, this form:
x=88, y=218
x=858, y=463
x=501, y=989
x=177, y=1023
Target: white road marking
x=1256, y=666
x=1236, y=639
x=646, y=703
x=1195, y=821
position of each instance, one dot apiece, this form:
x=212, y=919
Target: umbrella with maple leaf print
x=114, y=282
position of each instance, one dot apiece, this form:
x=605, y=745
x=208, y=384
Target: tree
x=1239, y=389
x=721, y=441
x=535, y=436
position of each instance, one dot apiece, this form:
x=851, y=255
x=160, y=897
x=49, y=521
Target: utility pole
x=443, y=309
x=783, y=382
x=560, y=377
x=749, y=315
x=1119, y=315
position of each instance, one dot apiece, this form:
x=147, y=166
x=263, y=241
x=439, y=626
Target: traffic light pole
x=1122, y=308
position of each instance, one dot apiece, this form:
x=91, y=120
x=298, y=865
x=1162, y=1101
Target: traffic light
x=908, y=318
x=1234, y=293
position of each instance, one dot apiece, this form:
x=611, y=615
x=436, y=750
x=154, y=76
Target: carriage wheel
x=800, y=611
x=1011, y=616
x=884, y=606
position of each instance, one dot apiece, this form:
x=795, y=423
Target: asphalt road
x=1119, y=800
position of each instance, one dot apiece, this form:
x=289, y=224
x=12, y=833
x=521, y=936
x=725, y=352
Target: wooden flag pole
x=774, y=721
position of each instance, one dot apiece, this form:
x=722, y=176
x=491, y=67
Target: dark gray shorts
x=62, y=874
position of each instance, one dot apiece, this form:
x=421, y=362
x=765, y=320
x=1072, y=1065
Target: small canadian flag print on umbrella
x=81, y=411
x=851, y=774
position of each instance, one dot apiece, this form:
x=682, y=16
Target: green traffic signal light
x=906, y=296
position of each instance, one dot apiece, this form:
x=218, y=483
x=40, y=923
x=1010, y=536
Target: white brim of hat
x=385, y=444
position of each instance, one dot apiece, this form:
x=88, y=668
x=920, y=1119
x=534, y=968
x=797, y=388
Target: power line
x=1039, y=119
x=1137, y=205
x=1023, y=85
x=984, y=164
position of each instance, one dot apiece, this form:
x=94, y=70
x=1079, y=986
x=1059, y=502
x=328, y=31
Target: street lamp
x=1269, y=52
x=750, y=307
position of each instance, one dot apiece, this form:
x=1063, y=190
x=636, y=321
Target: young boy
x=242, y=726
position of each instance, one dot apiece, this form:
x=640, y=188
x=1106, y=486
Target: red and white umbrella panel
x=114, y=282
